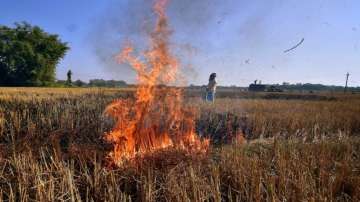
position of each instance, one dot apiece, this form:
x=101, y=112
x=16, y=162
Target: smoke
x=195, y=24
x=132, y=20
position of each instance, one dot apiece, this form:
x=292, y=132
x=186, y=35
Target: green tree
x=28, y=55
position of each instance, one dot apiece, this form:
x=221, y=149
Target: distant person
x=211, y=88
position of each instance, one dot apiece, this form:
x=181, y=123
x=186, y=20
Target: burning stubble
x=157, y=119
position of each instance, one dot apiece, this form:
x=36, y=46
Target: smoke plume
x=195, y=23
x=132, y=20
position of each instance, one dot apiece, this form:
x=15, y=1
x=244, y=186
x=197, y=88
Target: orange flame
x=157, y=119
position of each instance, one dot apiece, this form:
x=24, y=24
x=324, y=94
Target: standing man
x=211, y=88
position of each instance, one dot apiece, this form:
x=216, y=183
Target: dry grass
x=51, y=149
x=324, y=171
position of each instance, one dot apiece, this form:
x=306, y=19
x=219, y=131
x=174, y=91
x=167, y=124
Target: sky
x=240, y=40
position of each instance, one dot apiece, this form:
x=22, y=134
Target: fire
x=157, y=118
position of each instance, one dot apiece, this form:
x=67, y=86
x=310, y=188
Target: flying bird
x=297, y=45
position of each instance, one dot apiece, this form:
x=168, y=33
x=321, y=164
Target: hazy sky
x=240, y=40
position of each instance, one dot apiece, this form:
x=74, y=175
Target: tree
x=28, y=55
x=80, y=83
x=68, y=80
x=106, y=83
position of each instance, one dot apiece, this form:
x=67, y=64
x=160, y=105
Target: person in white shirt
x=211, y=88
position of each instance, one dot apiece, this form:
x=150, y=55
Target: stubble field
x=292, y=147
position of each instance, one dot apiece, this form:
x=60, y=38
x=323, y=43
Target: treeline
x=308, y=87
x=92, y=83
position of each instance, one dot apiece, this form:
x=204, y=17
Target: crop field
x=263, y=147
